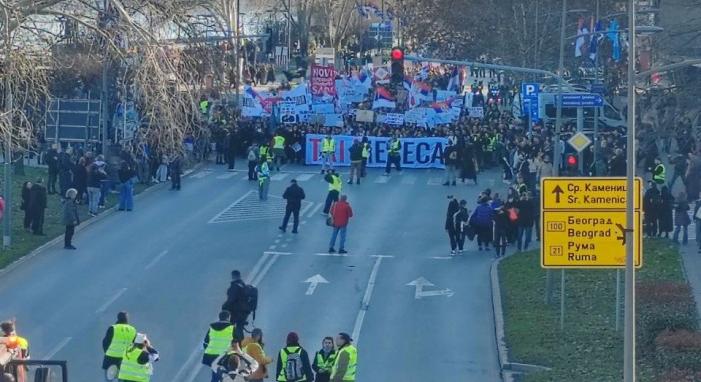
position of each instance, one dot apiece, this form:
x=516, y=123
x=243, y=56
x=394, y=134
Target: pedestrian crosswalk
x=250, y=207
x=405, y=178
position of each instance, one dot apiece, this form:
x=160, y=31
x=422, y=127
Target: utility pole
x=596, y=109
x=289, y=34
x=237, y=48
x=629, y=319
x=105, y=73
x=7, y=215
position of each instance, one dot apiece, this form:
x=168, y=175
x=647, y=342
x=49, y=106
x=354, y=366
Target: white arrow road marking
x=313, y=282
x=419, y=285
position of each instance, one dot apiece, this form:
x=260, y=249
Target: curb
x=509, y=370
x=84, y=225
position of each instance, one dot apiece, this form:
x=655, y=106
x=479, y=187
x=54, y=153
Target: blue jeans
x=126, y=195
x=698, y=232
x=342, y=244
x=93, y=199
x=528, y=233
x=263, y=186
x=685, y=235
x=105, y=186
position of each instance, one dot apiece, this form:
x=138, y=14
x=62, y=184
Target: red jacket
x=341, y=213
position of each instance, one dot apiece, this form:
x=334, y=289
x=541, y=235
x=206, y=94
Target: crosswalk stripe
x=227, y=175
x=381, y=179
x=435, y=181
x=279, y=176
x=408, y=180
x=304, y=177
x=201, y=174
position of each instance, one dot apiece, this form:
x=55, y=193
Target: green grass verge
x=24, y=242
x=589, y=349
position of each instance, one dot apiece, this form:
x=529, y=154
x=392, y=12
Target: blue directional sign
x=529, y=95
x=582, y=100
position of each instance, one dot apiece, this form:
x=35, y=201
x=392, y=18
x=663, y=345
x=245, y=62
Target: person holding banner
x=366, y=155
x=393, y=155
x=356, y=157
x=278, y=149
x=328, y=149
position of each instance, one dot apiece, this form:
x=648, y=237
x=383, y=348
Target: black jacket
x=52, y=160
x=37, y=198
x=526, y=213
x=356, y=152
x=294, y=194
x=306, y=367
x=236, y=301
x=453, y=207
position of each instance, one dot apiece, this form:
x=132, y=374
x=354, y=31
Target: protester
x=453, y=208
x=37, y=206
x=501, y=230
x=253, y=346
x=356, y=157
x=341, y=212
x=461, y=218
x=252, y=157
x=70, y=217
x=263, y=175
x=175, y=169
x=346, y=364
x=681, y=218
x=324, y=360
x=237, y=303
x=51, y=159
x=481, y=220
x=26, y=205
x=233, y=366
x=394, y=147
x=294, y=194
x=216, y=342
x=96, y=174
x=80, y=178
x=451, y=164
x=335, y=187
x=293, y=362
x=126, y=192
x=652, y=201
x=525, y=221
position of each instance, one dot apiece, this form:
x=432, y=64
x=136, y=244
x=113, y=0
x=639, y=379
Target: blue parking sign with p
x=529, y=94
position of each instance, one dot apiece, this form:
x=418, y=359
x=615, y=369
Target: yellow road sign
x=587, y=193
x=579, y=141
x=587, y=239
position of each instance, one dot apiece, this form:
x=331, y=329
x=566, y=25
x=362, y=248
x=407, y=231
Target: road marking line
x=256, y=268
x=284, y=246
x=155, y=260
x=366, y=301
x=57, y=348
x=332, y=254
x=383, y=256
x=109, y=302
x=272, y=247
x=315, y=210
x=195, y=371
x=306, y=208
x=212, y=220
x=278, y=253
x=277, y=241
x=304, y=177
x=381, y=179
x=227, y=175
x=188, y=364
x=278, y=176
x=265, y=270
x=441, y=257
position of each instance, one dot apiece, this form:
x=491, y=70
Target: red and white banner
x=323, y=81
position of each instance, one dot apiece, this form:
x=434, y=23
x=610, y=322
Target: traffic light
x=571, y=161
x=397, y=67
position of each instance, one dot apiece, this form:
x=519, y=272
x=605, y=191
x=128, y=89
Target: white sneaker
x=452, y=253
x=460, y=251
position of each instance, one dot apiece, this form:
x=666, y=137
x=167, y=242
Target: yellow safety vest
x=394, y=147
x=279, y=142
x=366, y=150
x=328, y=145
x=264, y=152
x=203, y=106
x=336, y=184
x=659, y=178
x=263, y=171
x=283, y=360
x=325, y=364
x=352, y=363
x=131, y=369
x=219, y=340
x=122, y=337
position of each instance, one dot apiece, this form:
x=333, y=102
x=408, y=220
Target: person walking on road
x=501, y=230
x=237, y=303
x=346, y=364
x=294, y=194
x=126, y=191
x=117, y=340
x=356, y=157
x=335, y=187
x=253, y=346
x=481, y=220
x=394, y=147
x=37, y=206
x=367, y=150
x=460, y=220
x=70, y=217
x=341, y=212
x=526, y=219
x=681, y=218
x=328, y=150
x=278, y=149
x=252, y=157
x=293, y=362
x=234, y=365
x=324, y=360
x=453, y=208
x=217, y=340
x=137, y=363
x=263, y=171
x=451, y=164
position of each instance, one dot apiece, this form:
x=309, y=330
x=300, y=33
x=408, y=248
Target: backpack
x=250, y=294
x=293, y=366
x=251, y=155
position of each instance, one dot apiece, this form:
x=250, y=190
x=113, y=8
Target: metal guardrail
x=30, y=362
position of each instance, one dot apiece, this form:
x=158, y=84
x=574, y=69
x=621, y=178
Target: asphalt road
x=168, y=262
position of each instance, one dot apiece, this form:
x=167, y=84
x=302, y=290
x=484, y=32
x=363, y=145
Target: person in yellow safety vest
x=324, y=360
x=204, y=105
x=118, y=338
x=293, y=362
x=367, y=150
x=263, y=171
x=328, y=150
x=346, y=364
x=264, y=152
x=137, y=364
x=335, y=187
x=18, y=347
x=393, y=155
x=278, y=149
x=218, y=339
x=659, y=173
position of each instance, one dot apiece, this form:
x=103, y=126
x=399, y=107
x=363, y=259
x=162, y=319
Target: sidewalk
x=692, y=269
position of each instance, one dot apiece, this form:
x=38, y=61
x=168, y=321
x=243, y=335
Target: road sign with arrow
x=421, y=283
x=583, y=223
x=313, y=282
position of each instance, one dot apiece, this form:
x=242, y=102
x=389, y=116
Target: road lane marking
x=332, y=254
x=156, y=259
x=305, y=208
x=383, y=256
x=278, y=253
x=419, y=285
x=408, y=180
x=195, y=371
x=277, y=241
x=381, y=179
x=441, y=257
x=315, y=210
x=57, y=348
x=366, y=301
x=272, y=247
x=109, y=302
x=304, y=177
x=265, y=269
x=212, y=220
x=227, y=175
x=314, y=282
x=188, y=364
x=256, y=268
x=278, y=177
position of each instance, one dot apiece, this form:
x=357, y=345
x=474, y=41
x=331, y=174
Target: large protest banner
x=323, y=82
x=415, y=152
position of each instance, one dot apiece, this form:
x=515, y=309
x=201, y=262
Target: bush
x=680, y=376
x=679, y=349
x=664, y=306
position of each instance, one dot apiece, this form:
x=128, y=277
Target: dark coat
x=294, y=194
x=681, y=214
x=526, y=213
x=356, y=152
x=665, y=212
x=453, y=207
x=236, y=301
x=306, y=366
x=70, y=212
x=482, y=216
x=95, y=176
x=37, y=198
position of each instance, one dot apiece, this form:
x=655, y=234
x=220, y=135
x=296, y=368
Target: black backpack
x=250, y=296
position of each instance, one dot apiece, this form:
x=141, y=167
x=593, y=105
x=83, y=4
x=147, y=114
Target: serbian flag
x=454, y=82
x=440, y=107
x=383, y=99
x=251, y=93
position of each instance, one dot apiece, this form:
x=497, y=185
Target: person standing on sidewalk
x=52, y=163
x=70, y=217
x=126, y=191
x=356, y=157
x=294, y=194
x=681, y=218
x=526, y=218
x=176, y=170
x=37, y=206
x=341, y=212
